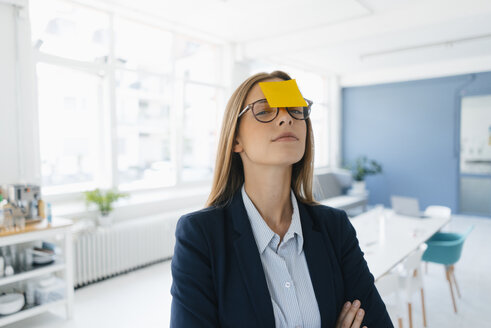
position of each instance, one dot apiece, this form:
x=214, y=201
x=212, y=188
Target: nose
x=284, y=117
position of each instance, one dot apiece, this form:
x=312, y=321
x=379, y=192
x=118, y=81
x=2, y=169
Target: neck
x=269, y=189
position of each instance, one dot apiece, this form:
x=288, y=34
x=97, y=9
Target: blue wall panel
x=412, y=129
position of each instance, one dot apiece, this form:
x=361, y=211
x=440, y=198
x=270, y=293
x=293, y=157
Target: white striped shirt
x=285, y=267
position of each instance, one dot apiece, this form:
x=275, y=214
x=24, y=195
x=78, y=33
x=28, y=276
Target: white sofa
x=331, y=186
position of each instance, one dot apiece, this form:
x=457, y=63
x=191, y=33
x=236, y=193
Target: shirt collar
x=263, y=233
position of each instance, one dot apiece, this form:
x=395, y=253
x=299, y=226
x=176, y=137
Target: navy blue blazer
x=218, y=278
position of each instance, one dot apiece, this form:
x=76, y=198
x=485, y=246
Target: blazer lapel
x=250, y=262
x=320, y=267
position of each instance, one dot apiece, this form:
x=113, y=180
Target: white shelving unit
x=35, y=232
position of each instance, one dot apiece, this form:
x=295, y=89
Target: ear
x=237, y=148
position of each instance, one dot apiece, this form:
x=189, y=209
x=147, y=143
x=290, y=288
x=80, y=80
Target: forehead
x=256, y=93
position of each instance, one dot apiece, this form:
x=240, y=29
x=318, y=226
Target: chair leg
x=455, y=280
x=400, y=322
x=447, y=272
x=410, y=315
x=423, y=305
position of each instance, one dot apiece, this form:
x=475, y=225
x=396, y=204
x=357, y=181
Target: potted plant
x=104, y=202
x=363, y=167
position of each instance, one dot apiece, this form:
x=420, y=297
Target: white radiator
x=124, y=246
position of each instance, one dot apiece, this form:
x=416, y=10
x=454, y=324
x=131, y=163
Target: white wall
x=19, y=160
x=8, y=121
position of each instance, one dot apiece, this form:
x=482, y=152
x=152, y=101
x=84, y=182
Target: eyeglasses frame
x=251, y=106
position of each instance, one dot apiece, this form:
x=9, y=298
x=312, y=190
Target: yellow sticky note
x=282, y=94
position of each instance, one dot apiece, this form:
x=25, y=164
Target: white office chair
x=388, y=288
x=411, y=281
x=438, y=211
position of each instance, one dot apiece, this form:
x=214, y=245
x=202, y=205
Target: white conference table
x=388, y=238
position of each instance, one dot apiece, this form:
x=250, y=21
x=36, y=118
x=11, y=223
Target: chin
x=287, y=160
x=278, y=157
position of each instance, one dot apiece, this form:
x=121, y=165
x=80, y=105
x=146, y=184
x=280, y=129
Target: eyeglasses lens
x=263, y=112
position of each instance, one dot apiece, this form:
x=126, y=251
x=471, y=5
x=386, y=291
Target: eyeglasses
x=264, y=113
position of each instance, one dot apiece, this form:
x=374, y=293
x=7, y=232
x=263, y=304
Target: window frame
x=107, y=176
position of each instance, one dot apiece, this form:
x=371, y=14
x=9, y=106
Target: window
x=142, y=47
x=69, y=31
x=70, y=97
x=315, y=88
x=202, y=113
x=144, y=131
x=122, y=103
x=198, y=70
x=197, y=61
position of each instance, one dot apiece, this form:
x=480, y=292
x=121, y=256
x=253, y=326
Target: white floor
x=141, y=298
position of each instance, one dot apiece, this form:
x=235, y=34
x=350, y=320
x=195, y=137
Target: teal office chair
x=445, y=248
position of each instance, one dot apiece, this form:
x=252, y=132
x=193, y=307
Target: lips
x=285, y=137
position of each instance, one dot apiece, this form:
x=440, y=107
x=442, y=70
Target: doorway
x=475, y=156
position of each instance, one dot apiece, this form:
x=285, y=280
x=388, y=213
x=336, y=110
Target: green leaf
x=103, y=200
x=363, y=167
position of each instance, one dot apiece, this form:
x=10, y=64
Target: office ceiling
x=362, y=41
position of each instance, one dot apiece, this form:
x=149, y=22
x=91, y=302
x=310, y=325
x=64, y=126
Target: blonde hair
x=229, y=170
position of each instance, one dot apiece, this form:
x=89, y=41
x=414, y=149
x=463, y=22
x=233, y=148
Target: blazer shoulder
x=202, y=213
x=203, y=217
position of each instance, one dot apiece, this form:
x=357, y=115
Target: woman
x=264, y=253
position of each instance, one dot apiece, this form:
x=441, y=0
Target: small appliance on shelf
x=21, y=205
x=26, y=197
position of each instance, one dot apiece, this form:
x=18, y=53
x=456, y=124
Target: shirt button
x=287, y=284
